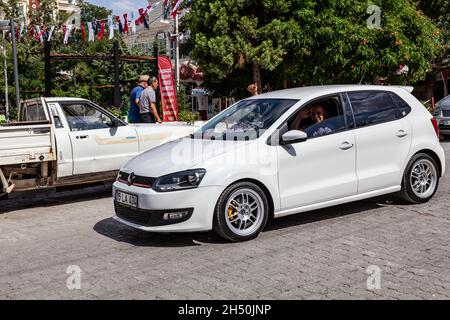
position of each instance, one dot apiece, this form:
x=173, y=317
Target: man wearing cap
x=135, y=95
x=147, y=103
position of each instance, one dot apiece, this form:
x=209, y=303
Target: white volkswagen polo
x=283, y=153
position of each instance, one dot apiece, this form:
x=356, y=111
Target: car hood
x=179, y=155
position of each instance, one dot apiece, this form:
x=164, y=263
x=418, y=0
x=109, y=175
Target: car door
x=320, y=169
x=383, y=139
x=98, y=145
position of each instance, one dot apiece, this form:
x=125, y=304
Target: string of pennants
x=99, y=29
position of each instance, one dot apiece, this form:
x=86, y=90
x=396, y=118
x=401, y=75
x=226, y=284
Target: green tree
x=296, y=43
x=10, y=8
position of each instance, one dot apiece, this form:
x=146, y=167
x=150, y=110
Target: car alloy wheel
x=241, y=212
x=423, y=178
x=244, y=212
x=420, y=180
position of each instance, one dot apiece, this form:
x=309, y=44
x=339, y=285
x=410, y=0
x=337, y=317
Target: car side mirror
x=292, y=137
x=116, y=123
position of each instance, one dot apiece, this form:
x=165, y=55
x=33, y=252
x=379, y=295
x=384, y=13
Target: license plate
x=126, y=199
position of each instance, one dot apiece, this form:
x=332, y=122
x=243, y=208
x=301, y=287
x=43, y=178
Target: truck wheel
x=241, y=212
x=420, y=180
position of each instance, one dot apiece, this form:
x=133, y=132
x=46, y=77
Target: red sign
x=34, y=4
x=168, y=89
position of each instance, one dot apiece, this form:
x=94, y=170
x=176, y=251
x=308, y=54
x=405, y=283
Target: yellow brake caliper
x=230, y=213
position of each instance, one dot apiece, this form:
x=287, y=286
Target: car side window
x=83, y=116
x=403, y=109
x=320, y=118
x=372, y=107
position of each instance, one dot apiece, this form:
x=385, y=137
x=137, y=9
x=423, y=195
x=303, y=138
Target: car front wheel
x=241, y=212
x=420, y=180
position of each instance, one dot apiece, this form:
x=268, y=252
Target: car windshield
x=246, y=120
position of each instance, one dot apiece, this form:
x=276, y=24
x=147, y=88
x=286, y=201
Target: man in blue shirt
x=133, y=113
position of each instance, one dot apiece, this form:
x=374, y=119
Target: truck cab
x=67, y=141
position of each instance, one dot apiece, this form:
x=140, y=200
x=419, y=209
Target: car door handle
x=346, y=146
x=402, y=133
x=82, y=137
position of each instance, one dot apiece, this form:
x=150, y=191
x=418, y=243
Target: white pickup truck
x=69, y=141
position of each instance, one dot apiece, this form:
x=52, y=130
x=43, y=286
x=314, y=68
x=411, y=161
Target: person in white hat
x=135, y=95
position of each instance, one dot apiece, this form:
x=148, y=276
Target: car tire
x=420, y=180
x=241, y=212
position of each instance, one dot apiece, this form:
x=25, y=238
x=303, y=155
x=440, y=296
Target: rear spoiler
x=407, y=88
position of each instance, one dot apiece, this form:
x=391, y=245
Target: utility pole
x=177, y=52
x=117, y=102
x=5, y=67
x=48, y=68
x=16, y=69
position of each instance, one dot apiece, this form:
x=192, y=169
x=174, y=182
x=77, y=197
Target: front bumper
x=198, y=203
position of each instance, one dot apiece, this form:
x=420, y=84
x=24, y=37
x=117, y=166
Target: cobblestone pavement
x=318, y=255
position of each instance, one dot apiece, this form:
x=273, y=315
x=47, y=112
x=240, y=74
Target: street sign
x=35, y=4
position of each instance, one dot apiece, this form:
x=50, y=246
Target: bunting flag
x=95, y=29
x=133, y=24
x=32, y=32
x=101, y=32
x=125, y=23
x=166, y=12
x=83, y=32
x=111, y=28
x=50, y=33
x=176, y=7
x=67, y=33
x=22, y=27
x=40, y=33
x=120, y=24
x=91, y=31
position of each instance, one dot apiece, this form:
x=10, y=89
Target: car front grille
x=137, y=181
x=149, y=218
x=132, y=215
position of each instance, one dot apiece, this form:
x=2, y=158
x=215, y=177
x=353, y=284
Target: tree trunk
x=257, y=76
x=429, y=86
x=444, y=75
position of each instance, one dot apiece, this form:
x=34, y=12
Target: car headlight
x=184, y=180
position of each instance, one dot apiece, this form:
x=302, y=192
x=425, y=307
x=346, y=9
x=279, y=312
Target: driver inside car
x=312, y=117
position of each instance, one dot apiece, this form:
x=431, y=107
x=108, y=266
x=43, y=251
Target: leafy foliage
x=308, y=42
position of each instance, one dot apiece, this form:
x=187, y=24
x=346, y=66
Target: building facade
x=25, y=6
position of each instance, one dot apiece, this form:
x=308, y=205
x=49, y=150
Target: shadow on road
x=332, y=212
x=119, y=232
x=36, y=199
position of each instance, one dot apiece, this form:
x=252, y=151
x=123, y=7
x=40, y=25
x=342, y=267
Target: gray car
x=442, y=115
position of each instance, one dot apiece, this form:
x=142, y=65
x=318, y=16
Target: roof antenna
x=362, y=77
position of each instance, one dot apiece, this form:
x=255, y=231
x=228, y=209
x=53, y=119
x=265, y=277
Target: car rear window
x=372, y=107
x=403, y=108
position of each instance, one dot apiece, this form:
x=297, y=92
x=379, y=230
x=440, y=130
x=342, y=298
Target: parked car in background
x=442, y=115
x=282, y=153
x=69, y=141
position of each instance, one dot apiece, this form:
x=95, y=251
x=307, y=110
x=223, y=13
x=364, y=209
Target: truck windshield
x=246, y=120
